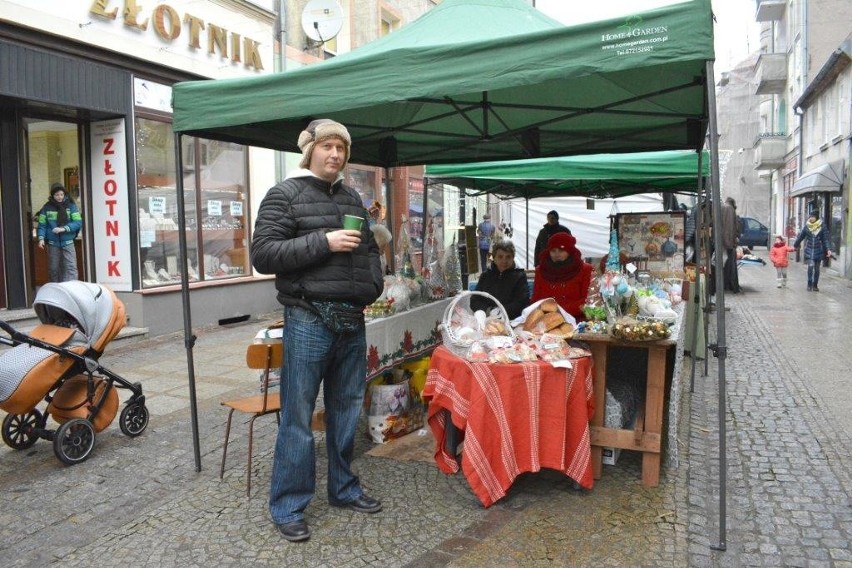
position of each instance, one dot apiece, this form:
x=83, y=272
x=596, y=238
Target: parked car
x=754, y=233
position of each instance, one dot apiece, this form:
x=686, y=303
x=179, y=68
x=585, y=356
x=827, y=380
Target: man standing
x=731, y=229
x=325, y=276
x=59, y=221
x=486, y=235
x=550, y=228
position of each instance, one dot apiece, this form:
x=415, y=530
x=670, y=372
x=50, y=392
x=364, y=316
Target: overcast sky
x=736, y=31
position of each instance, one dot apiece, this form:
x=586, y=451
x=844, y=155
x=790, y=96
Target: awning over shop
x=825, y=178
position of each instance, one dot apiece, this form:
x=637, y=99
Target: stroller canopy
x=90, y=305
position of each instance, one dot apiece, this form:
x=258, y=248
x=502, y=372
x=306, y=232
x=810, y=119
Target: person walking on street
x=779, y=255
x=814, y=237
x=550, y=228
x=325, y=275
x=486, y=231
x=59, y=221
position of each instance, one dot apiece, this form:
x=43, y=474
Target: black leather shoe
x=816, y=288
x=295, y=532
x=363, y=504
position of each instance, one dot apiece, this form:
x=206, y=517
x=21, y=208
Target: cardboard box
x=610, y=455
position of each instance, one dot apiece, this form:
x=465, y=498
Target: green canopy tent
x=594, y=176
x=475, y=80
x=597, y=175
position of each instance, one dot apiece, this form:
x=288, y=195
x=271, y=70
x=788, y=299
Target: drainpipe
x=800, y=166
x=804, y=43
x=280, y=65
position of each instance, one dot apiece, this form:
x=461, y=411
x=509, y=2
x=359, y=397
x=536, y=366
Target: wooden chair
x=265, y=357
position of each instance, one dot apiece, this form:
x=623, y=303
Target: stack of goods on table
x=540, y=333
x=632, y=309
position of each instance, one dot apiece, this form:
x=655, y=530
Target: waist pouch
x=340, y=317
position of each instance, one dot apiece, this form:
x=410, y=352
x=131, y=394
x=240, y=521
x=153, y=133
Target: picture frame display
x=653, y=241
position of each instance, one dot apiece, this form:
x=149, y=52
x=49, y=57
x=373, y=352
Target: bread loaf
x=566, y=330
x=552, y=320
x=533, y=320
x=549, y=305
x=495, y=327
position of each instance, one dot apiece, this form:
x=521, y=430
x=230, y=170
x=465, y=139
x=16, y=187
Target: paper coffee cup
x=352, y=222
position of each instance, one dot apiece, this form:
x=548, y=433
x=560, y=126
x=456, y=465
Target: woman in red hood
x=562, y=274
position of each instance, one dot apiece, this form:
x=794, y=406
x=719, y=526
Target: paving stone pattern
x=141, y=502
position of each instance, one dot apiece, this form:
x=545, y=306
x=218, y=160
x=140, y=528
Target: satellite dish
x=322, y=19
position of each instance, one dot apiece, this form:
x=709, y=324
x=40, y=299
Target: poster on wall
x=653, y=241
x=110, y=207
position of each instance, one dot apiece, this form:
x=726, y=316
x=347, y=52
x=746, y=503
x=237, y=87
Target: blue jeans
x=813, y=272
x=313, y=354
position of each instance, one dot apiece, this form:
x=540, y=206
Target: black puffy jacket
x=289, y=241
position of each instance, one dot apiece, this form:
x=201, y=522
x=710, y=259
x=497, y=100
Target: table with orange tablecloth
x=513, y=418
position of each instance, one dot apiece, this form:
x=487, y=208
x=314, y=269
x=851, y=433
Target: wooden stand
x=646, y=436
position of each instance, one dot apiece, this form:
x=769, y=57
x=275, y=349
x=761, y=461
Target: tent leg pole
x=528, y=234
x=392, y=225
x=188, y=337
x=721, y=350
x=696, y=294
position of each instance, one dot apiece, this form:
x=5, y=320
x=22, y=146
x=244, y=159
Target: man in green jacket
x=59, y=221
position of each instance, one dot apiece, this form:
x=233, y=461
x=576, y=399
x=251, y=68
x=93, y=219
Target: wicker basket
x=451, y=339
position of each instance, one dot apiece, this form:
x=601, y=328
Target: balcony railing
x=771, y=73
x=770, y=149
x=770, y=10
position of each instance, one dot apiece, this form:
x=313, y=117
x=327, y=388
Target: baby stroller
x=58, y=362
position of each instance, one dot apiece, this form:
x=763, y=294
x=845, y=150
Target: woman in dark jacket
x=503, y=281
x=814, y=237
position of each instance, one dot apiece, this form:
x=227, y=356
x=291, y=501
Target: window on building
x=366, y=182
x=390, y=20
x=215, y=202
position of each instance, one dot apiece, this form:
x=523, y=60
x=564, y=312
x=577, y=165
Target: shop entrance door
x=52, y=155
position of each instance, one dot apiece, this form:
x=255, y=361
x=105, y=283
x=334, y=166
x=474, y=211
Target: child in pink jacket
x=778, y=255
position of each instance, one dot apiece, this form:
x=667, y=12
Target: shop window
x=215, y=203
x=366, y=182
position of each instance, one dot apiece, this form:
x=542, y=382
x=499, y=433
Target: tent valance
x=597, y=175
x=825, y=178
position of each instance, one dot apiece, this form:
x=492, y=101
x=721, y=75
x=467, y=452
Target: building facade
x=85, y=100
x=803, y=81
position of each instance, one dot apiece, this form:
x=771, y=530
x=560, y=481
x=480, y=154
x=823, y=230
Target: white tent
x=589, y=226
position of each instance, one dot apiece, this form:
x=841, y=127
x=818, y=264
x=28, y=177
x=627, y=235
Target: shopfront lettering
x=168, y=26
x=111, y=226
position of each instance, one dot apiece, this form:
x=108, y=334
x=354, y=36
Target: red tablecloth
x=514, y=418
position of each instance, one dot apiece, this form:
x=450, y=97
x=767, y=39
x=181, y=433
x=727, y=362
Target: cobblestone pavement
x=788, y=428
x=140, y=501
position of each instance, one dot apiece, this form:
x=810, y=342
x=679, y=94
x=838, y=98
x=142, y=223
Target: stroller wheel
x=133, y=419
x=18, y=429
x=74, y=441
